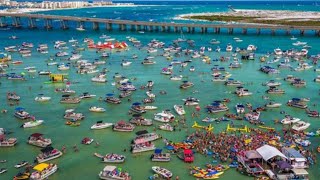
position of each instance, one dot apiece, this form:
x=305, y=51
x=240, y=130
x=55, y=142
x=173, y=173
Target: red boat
x=17, y=62
x=188, y=155
x=86, y=140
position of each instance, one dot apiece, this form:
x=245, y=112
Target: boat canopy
x=292, y=153
x=41, y=167
x=267, y=152
x=66, y=95
x=109, y=168
x=136, y=104
x=252, y=154
x=36, y=135
x=99, y=122
x=110, y=94
x=19, y=109
x=142, y=132
x=157, y=151
x=47, y=149
x=284, y=165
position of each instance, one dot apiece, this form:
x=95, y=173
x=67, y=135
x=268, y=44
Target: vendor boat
x=37, y=139
x=113, y=173
x=113, y=158
x=166, y=127
x=43, y=171
x=101, y=125
x=32, y=123
x=143, y=147
x=300, y=126
x=48, y=153
x=289, y=120
x=123, y=126
x=96, y=109
x=162, y=172
x=179, y=109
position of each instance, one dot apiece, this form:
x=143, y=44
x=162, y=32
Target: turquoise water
x=82, y=165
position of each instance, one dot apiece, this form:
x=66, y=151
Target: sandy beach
x=261, y=15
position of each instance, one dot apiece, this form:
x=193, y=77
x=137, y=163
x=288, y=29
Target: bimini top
x=292, y=153
x=109, y=168
x=41, y=167
x=267, y=152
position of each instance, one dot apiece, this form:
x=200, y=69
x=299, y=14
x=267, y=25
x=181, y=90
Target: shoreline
x=33, y=10
x=271, y=17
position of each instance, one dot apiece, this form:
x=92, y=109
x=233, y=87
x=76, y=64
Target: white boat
x=150, y=94
x=162, y=172
x=273, y=105
x=112, y=173
x=80, y=28
x=43, y=171
x=75, y=57
x=166, y=127
x=99, y=79
x=240, y=108
x=96, y=109
x=179, y=109
x=301, y=142
x=42, y=98
x=150, y=107
x=101, y=125
x=289, y=120
x=278, y=52
x=126, y=63
x=48, y=153
x=143, y=147
x=113, y=158
x=176, y=78
x=143, y=138
x=300, y=126
x=32, y=123
x=229, y=48
x=3, y=170
x=21, y=164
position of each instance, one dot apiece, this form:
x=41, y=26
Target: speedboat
x=190, y=101
x=126, y=63
x=157, y=156
x=70, y=114
x=43, y=171
x=137, y=108
x=3, y=170
x=32, y=123
x=300, y=126
x=207, y=119
x=22, y=176
x=272, y=83
x=101, y=125
x=37, y=139
x=87, y=141
x=150, y=107
x=42, y=98
x=273, y=105
x=166, y=127
x=86, y=95
x=289, y=120
x=150, y=94
x=176, y=78
x=21, y=164
x=12, y=96
x=124, y=94
x=179, y=109
x=112, y=173
x=301, y=142
x=96, y=109
x=242, y=92
x=186, y=84
x=164, y=116
x=275, y=90
x=80, y=28
x=162, y=172
x=112, y=100
x=138, y=120
x=229, y=48
x=232, y=82
x=48, y=153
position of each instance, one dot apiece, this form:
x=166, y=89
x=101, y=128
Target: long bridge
x=17, y=19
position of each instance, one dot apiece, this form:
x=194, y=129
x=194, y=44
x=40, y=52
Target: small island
x=270, y=17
